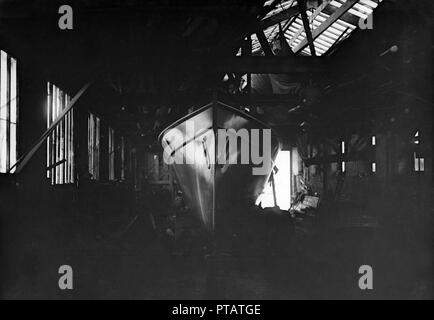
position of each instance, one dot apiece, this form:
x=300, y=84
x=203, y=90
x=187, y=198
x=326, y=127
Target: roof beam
x=266, y=100
x=269, y=8
x=326, y=24
x=283, y=42
x=346, y=17
x=268, y=64
x=264, y=43
x=279, y=17
x=303, y=9
x=311, y=19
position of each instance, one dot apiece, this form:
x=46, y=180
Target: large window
x=60, y=144
x=8, y=112
x=111, y=149
x=93, y=126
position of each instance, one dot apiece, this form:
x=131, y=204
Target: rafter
x=264, y=43
x=311, y=19
x=279, y=17
x=326, y=24
x=306, y=25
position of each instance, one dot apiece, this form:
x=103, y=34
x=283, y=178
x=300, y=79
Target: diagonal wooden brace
x=23, y=160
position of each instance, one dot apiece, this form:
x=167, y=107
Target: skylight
x=331, y=23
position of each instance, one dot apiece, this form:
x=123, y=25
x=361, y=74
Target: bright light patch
x=282, y=182
x=416, y=138
x=419, y=164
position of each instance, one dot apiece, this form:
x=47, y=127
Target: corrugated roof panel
x=362, y=9
x=339, y=30
x=358, y=13
x=297, y=23
x=339, y=26
x=320, y=19
x=296, y=42
x=282, y=6
x=306, y=51
x=270, y=34
x=291, y=30
x=319, y=46
x=346, y=24
x=325, y=41
x=332, y=33
x=256, y=46
x=369, y=3
x=315, y=24
x=366, y=9
x=320, y=51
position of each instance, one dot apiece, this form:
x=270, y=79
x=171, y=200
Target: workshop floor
x=137, y=266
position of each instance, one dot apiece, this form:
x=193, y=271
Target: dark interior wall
x=30, y=205
x=395, y=179
x=33, y=78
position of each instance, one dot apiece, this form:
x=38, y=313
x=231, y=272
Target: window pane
x=111, y=154
x=60, y=143
x=93, y=146
x=13, y=86
x=13, y=146
x=90, y=143
x=3, y=111
x=97, y=137
x=72, y=163
x=3, y=152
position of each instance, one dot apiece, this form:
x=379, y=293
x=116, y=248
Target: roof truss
x=317, y=27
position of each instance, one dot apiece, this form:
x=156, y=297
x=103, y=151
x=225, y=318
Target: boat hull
x=192, y=147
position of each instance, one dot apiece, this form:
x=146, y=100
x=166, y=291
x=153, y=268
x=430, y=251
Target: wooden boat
x=213, y=189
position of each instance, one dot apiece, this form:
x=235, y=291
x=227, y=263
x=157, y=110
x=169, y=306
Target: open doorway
x=282, y=184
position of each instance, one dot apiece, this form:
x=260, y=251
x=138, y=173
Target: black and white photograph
x=216, y=154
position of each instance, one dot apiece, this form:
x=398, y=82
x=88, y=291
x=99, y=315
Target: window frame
x=60, y=162
x=9, y=110
x=111, y=154
x=94, y=145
